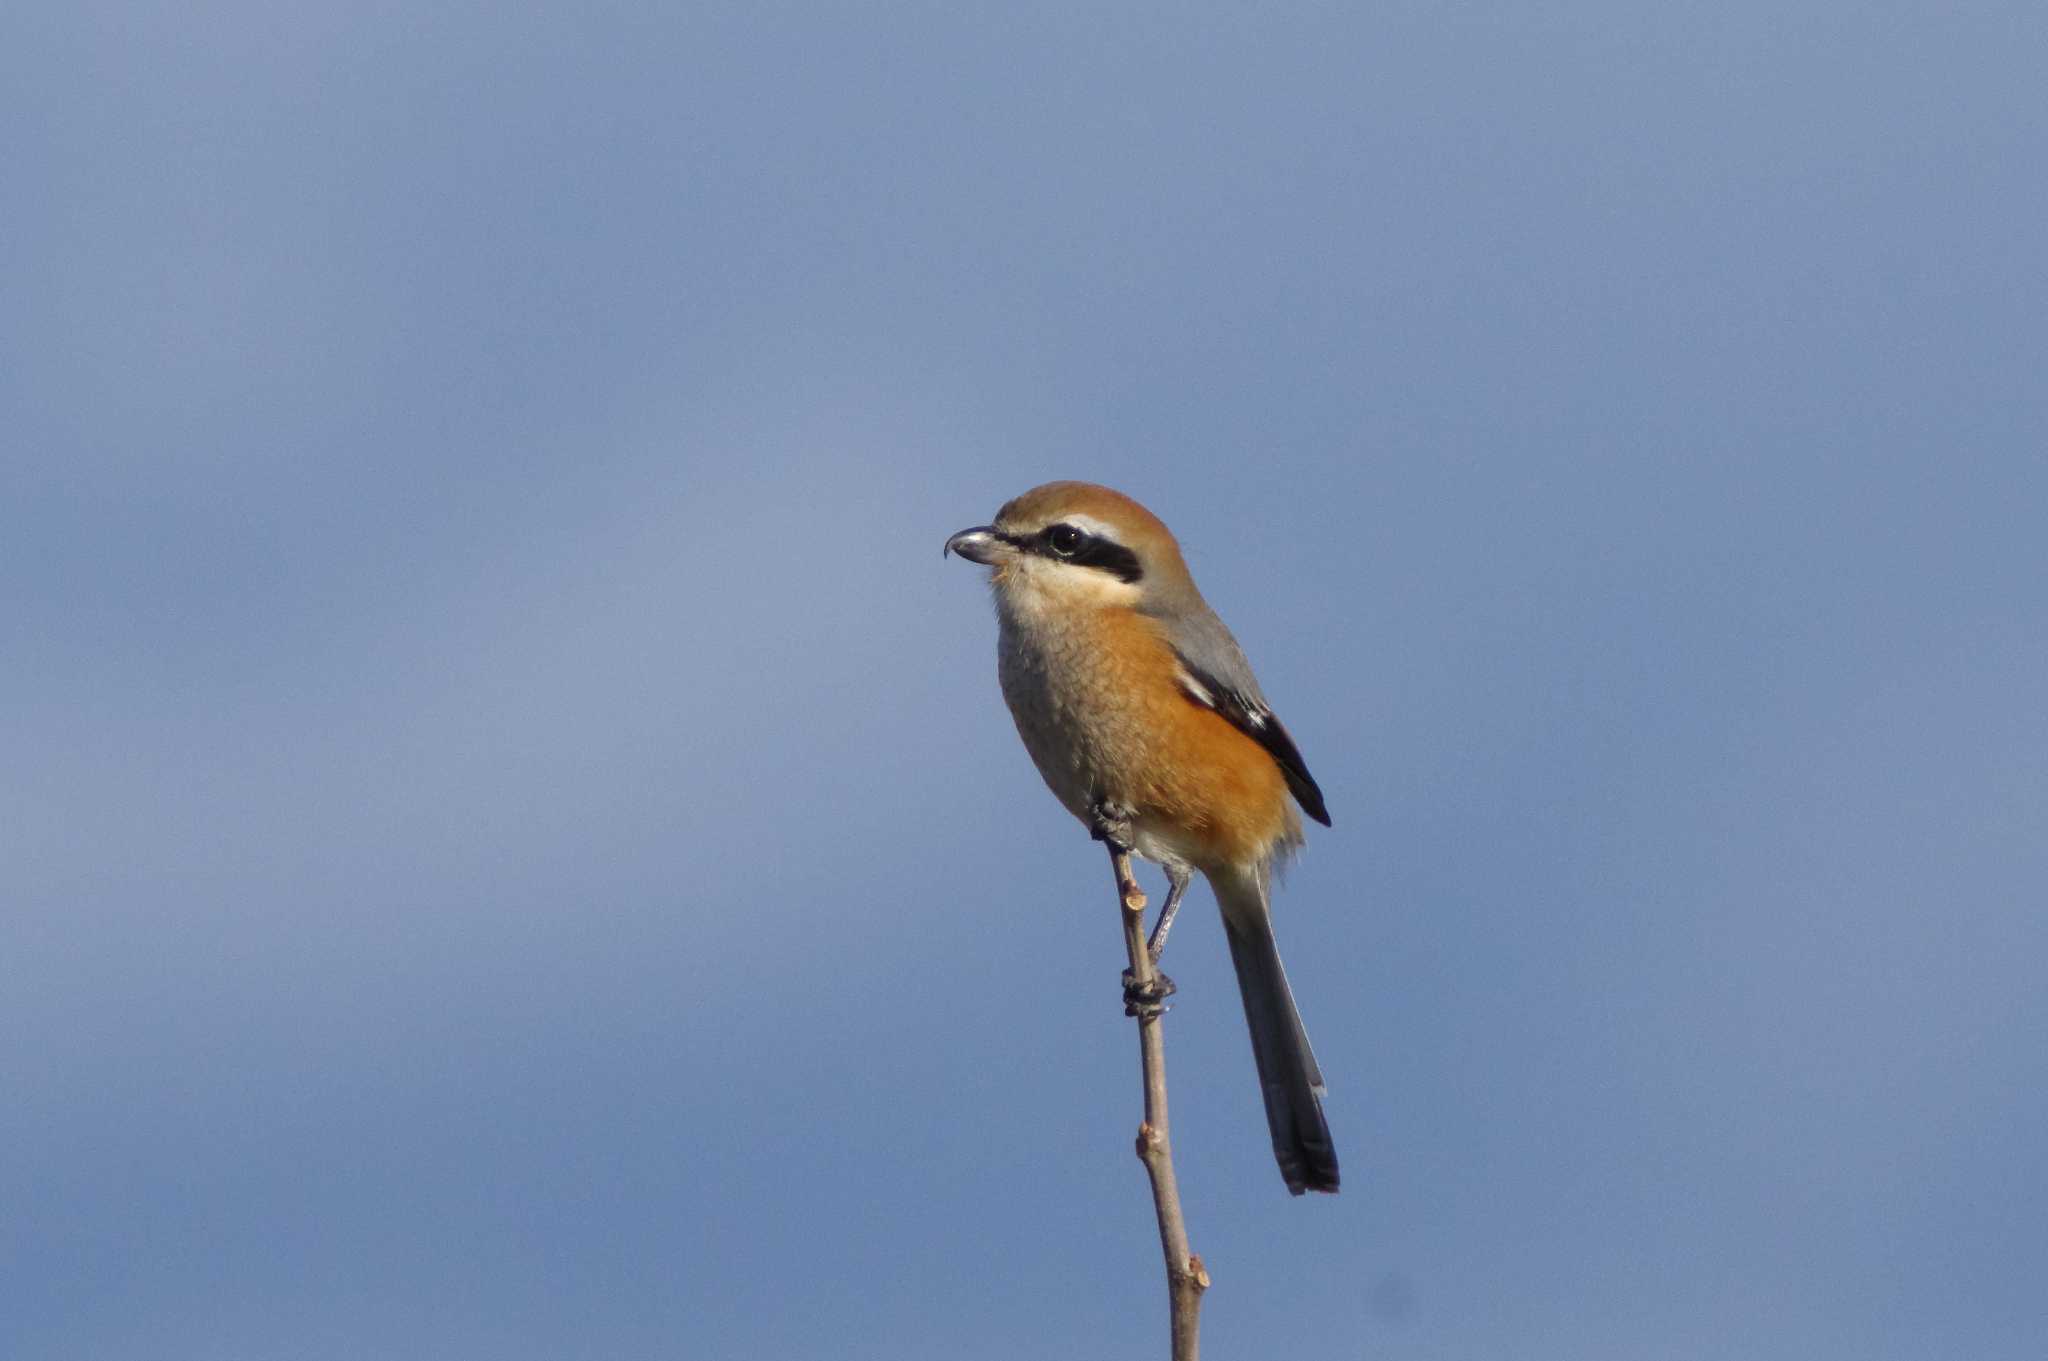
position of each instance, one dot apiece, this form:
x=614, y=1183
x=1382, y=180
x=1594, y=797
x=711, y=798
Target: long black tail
x=1288, y=1075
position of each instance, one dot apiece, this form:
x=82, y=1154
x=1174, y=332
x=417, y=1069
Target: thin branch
x=1145, y=986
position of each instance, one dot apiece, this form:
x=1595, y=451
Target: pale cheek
x=1034, y=588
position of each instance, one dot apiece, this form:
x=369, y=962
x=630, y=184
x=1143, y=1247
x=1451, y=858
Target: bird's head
x=1072, y=544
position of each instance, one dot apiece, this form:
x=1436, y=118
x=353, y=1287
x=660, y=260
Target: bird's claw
x=1147, y=999
x=1110, y=824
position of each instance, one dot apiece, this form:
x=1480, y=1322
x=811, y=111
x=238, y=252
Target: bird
x=1143, y=717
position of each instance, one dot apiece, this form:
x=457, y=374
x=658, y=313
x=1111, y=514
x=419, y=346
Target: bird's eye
x=1063, y=539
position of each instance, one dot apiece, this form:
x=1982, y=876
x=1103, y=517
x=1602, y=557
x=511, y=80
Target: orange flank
x=1189, y=768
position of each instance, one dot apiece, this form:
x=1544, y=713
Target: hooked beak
x=984, y=544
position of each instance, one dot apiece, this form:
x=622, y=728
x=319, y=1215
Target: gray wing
x=1217, y=676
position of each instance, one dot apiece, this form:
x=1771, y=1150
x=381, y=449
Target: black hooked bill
x=978, y=544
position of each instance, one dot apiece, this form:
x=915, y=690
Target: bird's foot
x=1147, y=999
x=1110, y=823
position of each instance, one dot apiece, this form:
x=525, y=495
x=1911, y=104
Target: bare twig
x=1144, y=988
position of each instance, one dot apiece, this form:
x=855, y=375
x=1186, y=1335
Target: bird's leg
x=1177, y=879
x=1111, y=825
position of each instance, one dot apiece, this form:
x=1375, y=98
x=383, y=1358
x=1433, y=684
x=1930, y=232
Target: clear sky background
x=512, y=847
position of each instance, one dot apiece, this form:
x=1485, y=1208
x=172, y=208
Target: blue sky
x=513, y=845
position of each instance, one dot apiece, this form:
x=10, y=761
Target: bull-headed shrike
x=1142, y=714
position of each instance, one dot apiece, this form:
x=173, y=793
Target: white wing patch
x=1193, y=688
